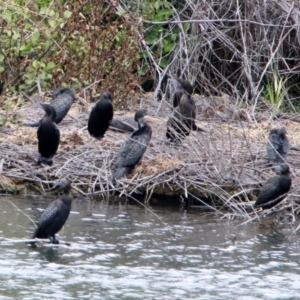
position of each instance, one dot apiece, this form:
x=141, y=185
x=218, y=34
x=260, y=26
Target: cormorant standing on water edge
x=62, y=100
x=48, y=136
x=182, y=120
x=278, y=145
x=134, y=147
x=56, y=214
x=101, y=116
x=274, y=188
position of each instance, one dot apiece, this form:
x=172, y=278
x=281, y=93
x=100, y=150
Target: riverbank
x=225, y=163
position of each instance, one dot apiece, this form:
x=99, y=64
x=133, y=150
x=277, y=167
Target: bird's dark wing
x=133, y=149
x=48, y=216
x=123, y=124
x=286, y=146
x=61, y=103
x=273, y=146
x=270, y=191
x=176, y=127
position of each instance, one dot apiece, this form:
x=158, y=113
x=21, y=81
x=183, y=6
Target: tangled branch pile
x=234, y=47
x=223, y=166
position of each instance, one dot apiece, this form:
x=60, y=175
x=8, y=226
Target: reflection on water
x=125, y=252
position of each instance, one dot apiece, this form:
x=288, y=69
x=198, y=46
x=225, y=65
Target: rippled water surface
x=125, y=252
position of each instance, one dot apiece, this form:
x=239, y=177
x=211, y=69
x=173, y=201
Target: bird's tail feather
x=34, y=124
x=120, y=172
x=197, y=128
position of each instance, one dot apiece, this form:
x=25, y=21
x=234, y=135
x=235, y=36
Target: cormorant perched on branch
x=62, y=100
x=126, y=124
x=48, y=136
x=278, y=145
x=134, y=147
x=182, y=120
x=275, y=188
x=56, y=214
x=101, y=116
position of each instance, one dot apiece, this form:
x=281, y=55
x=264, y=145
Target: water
x=125, y=252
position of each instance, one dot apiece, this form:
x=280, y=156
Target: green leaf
x=152, y=37
x=1, y=57
x=1, y=69
x=35, y=64
x=6, y=15
x=35, y=37
x=168, y=45
x=164, y=12
x=42, y=76
x=16, y=36
x=52, y=23
x=157, y=5
x=51, y=13
x=144, y=69
x=164, y=62
x=67, y=14
x=50, y=65
x=174, y=37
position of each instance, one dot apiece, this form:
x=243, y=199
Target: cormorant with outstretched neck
x=182, y=120
x=134, y=147
x=275, y=188
x=101, y=116
x=62, y=100
x=56, y=214
x=48, y=136
x=278, y=145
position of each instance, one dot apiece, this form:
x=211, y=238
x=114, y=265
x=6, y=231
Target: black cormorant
x=56, y=214
x=62, y=100
x=101, y=116
x=182, y=120
x=278, y=145
x=134, y=147
x=275, y=188
x=125, y=124
x=170, y=86
x=181, y=86
x=48, y=136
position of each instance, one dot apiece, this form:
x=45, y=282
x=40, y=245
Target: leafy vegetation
x=116, y=45
x=159, y=37
x=67, y=43
x=275, y=91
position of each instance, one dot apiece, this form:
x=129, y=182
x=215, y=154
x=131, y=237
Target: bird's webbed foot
x=53, y=240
